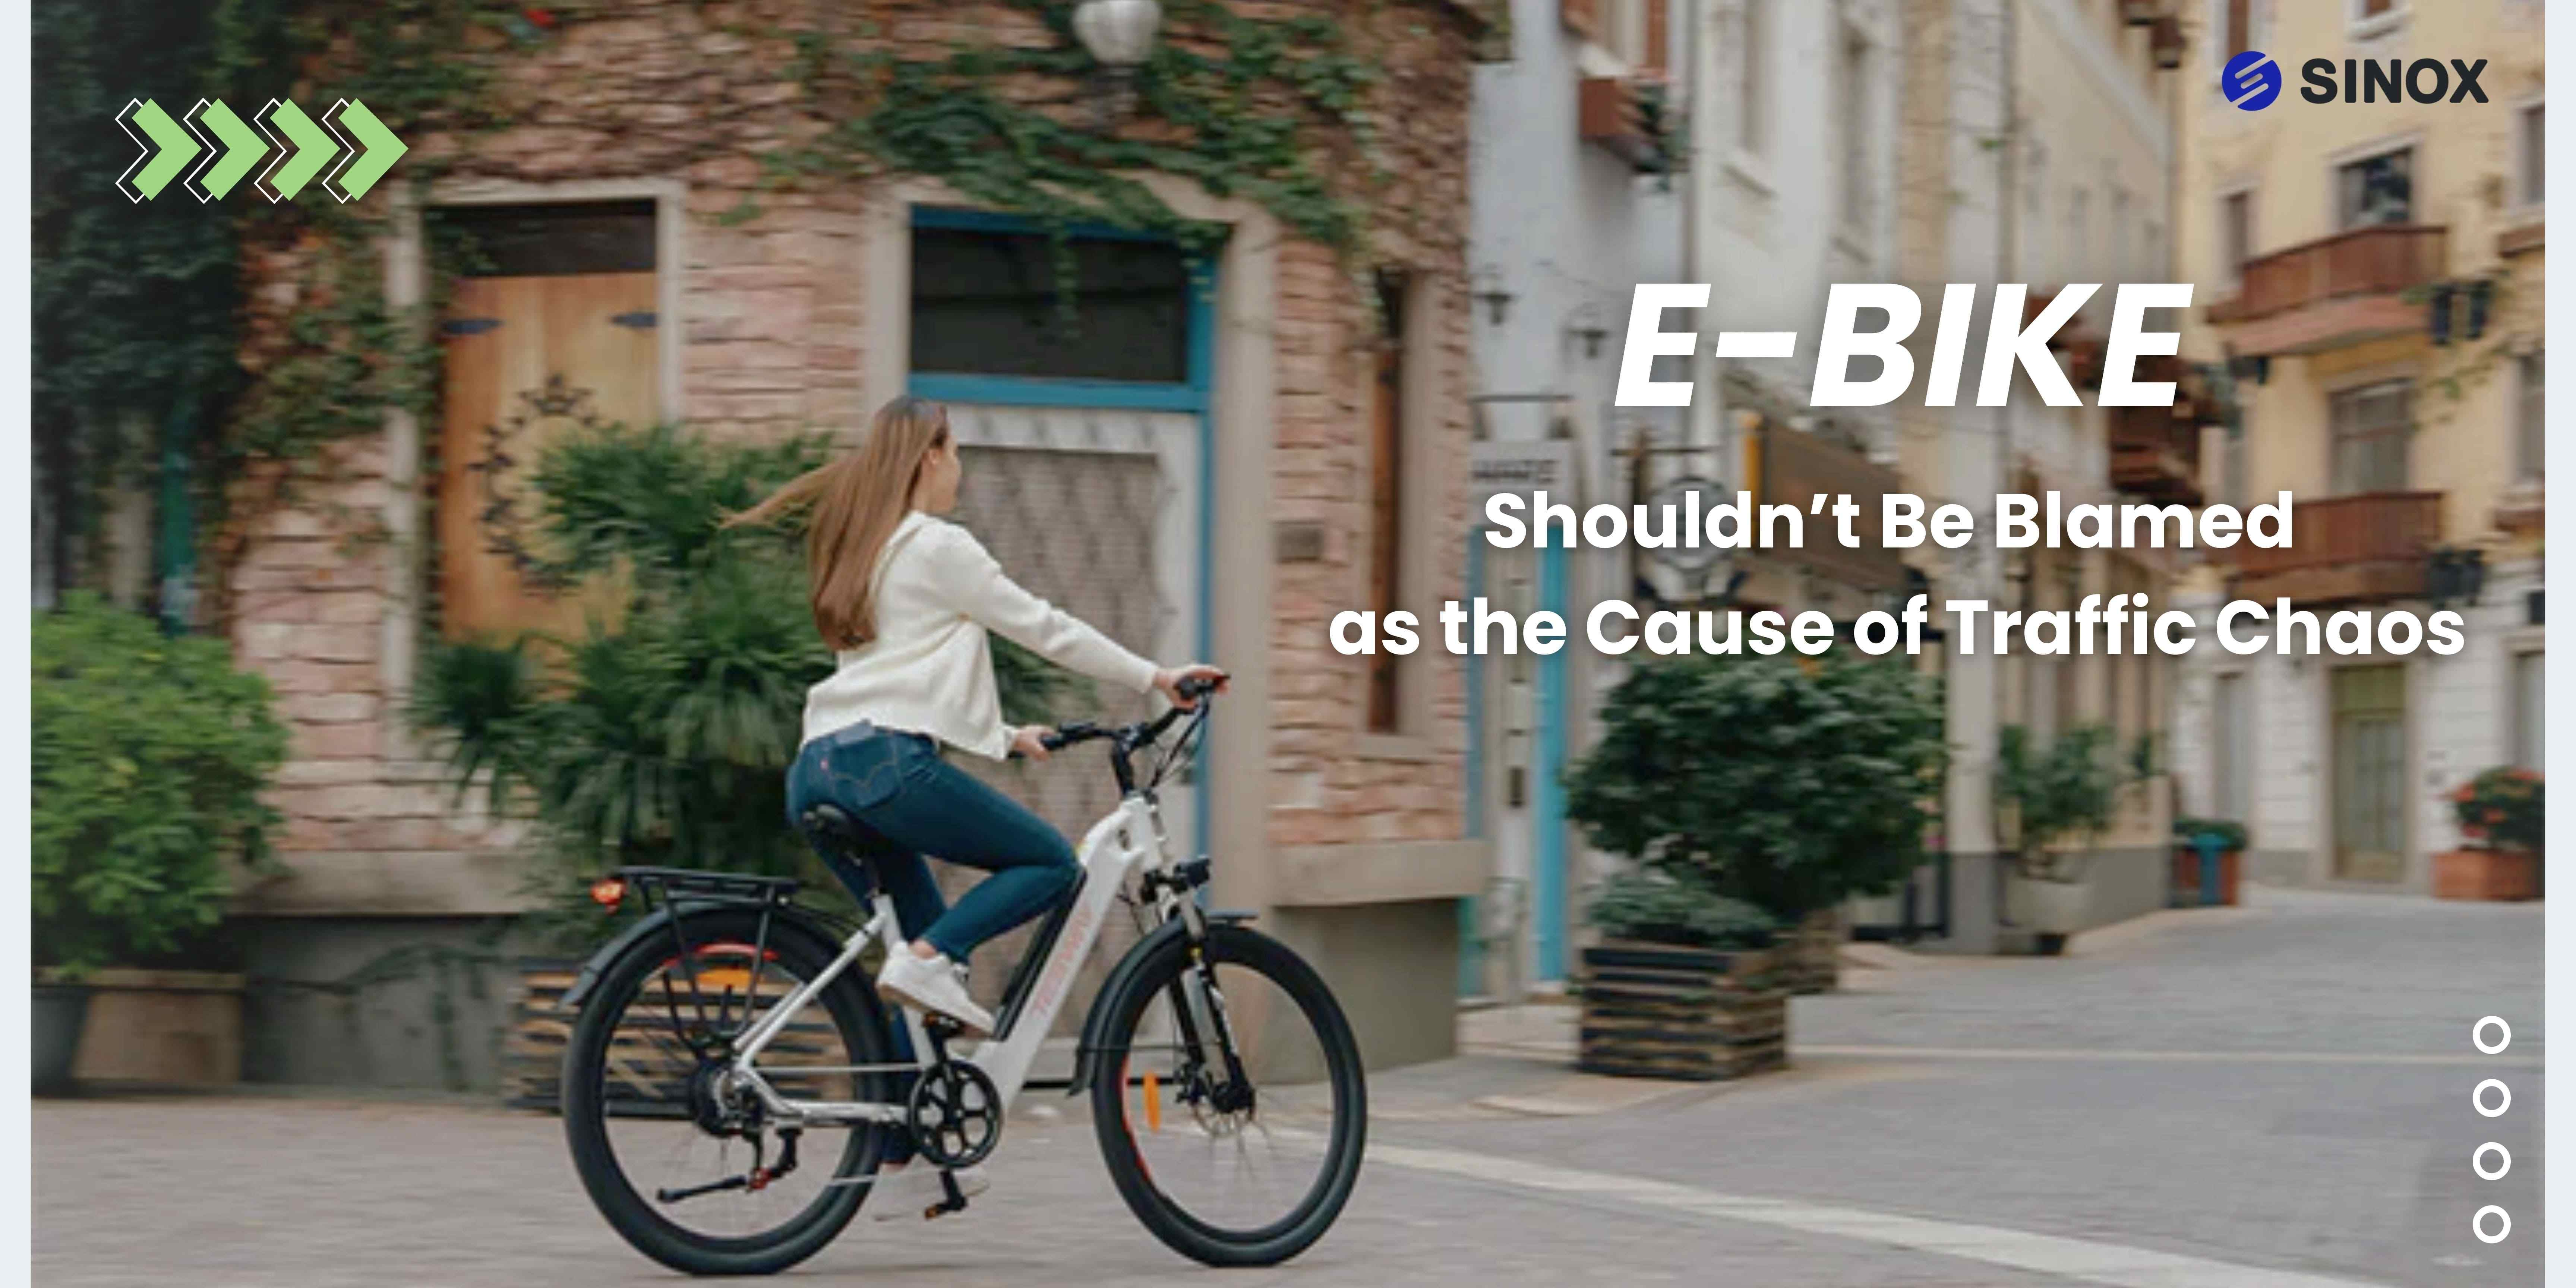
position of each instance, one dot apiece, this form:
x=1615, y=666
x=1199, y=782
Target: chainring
x=956, y=1115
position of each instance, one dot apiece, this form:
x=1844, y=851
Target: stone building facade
x=1333, y=799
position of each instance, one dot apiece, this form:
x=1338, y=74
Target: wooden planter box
x=160, y=1028
x=2186, y=876
x=2486, y=874
x=1655, y=1011
x=1812, y=957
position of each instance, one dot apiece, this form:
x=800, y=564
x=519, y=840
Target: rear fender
x=791, y=919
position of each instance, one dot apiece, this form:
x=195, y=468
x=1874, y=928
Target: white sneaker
x=908, y=1191
x=933, y=984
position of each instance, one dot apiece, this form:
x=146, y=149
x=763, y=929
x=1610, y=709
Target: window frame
x=2531, y=425
x=2360, y=24
x=2230, y=275
x=2529, y=200
x=2354, y=158
x=2403, y=431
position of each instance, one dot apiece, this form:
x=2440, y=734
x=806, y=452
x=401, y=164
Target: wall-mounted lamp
x=1489, y=292
x=1120, y=35
x=1587, y=327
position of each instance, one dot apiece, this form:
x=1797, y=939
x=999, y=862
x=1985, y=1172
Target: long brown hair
x=856, y=500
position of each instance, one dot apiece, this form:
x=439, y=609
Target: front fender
x=656, y=922
x=1095, y=1026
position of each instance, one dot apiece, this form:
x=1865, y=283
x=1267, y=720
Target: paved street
x=2275, y=1095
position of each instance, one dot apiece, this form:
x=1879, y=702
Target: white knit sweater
x=930, y=668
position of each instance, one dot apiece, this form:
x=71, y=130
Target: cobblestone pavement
x=2277, y=1095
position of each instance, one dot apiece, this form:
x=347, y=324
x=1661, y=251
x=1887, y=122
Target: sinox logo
x=2251, y=81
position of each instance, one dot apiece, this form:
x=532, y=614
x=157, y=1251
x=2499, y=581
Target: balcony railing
x=1793, y=468
x=2369, y=546
x=2379, y=260
x=2155, y=453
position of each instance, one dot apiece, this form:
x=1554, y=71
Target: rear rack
x=671, y=883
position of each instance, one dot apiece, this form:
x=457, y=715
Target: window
x=2124, y=244
x=2529, y=738
x=988, y=303
x=1386, y=498
x=2376, y=190
x=2373, y=8
x=1854, y=145
x=2371, y=426
x=2530, y=156
x=2533, y=415
x=2240, y=29
x=2232, y=758
x=2079, y=254
x=1752, y=111
x=2235, y=237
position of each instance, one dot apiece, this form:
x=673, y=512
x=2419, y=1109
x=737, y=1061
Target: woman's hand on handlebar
x=1030, y=741
x=1182, y=685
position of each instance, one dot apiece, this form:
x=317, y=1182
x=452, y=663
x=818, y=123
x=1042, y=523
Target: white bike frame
x=1129, y=839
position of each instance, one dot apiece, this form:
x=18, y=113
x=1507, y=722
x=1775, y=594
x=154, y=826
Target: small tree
x=2069, y=791
x=1785, y=783
x=149, y=757
x=2501, y=809
x=664, y=738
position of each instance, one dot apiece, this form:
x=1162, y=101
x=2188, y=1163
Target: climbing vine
x=1273, y=111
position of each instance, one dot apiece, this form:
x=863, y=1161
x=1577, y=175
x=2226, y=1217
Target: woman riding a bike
x=905, y=599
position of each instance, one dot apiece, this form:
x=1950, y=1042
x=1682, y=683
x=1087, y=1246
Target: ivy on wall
x=141, y=306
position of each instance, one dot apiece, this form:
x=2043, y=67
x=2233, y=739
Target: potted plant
x=1683, y=984
x=661, y=736
x=2053, y=803
x=2499, y=812
x=1785, y=786
x=149, y=756
x=2227, y=838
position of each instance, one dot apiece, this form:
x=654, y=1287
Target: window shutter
x=1652, y=60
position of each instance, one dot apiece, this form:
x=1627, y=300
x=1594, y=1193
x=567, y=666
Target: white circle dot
x=2478, y=1224
x=2478, y=1162
x=2478, y=1035
x=2504, y=1098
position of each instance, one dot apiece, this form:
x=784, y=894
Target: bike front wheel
x=1228, y=1098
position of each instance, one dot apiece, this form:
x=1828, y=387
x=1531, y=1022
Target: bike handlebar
x=1197, y=690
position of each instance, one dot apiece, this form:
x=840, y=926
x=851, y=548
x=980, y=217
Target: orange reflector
x=608, y=892
x=1153, y=1104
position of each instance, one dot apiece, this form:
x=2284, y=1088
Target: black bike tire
x=1230, y=945
x=862, y=1030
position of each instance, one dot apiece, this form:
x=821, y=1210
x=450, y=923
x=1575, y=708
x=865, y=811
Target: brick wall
x=775, y=340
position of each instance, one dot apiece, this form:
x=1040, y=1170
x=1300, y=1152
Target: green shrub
x=2502, y=808
x=2231, y=834
x=665, y=738
x=1659, y=908
x=150, y=754
x=1787, y=784
x=2068, y=791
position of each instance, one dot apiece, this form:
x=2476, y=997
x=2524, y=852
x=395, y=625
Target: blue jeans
x=897, y=787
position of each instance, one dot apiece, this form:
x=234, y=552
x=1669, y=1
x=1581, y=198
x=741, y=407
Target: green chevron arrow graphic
x=167, y=149
x=373, y=149
x=304, y=149
x=232, y=149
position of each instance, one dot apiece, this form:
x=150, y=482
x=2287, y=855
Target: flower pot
x=2486, y=874
x=161, y=1028
x=2051, y=908
x=2187, y=873
x=1694, y=1014
x=1811, y=955
x=59, y=1012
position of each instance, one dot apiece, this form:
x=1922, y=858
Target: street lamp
x=1119, y=34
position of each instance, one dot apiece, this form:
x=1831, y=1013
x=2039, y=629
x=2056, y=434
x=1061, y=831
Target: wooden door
x=529, y=360
x=2369, y=755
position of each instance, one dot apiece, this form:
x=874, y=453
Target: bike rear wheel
x=1228, y=1099
x=647, y=1116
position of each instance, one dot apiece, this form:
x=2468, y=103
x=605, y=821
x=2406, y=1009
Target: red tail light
x=608, y=892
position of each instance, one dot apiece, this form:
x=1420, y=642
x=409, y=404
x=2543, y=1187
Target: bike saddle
x=831, y=830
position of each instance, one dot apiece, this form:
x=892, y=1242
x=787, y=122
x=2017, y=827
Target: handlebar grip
x=1051, y=741
x=1195, y=687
